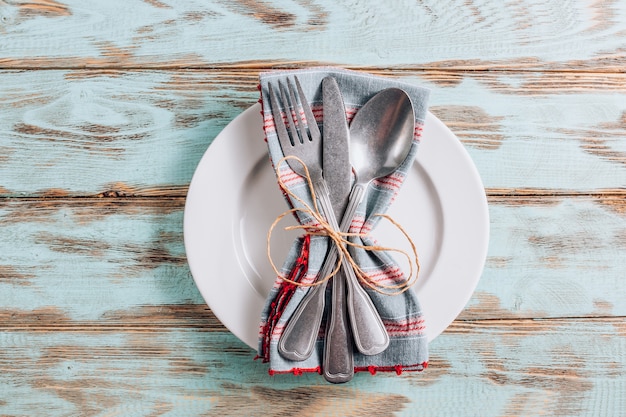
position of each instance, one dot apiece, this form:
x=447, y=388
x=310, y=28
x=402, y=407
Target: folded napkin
x=401, y=314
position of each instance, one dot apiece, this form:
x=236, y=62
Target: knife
x=338, y=350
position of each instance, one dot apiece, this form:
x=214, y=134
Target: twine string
x=342, y=240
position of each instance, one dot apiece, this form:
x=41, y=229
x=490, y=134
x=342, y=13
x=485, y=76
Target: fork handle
x=298, y=339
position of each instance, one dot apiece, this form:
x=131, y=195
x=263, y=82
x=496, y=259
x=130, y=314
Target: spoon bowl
x=381, y=134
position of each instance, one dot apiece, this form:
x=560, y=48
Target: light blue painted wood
x=507, y=369
x=82, y=133
x=102, y=129
x=564, y=259
x=86, y=262
x=480, y=34
x=98, y=311
x=87, y=259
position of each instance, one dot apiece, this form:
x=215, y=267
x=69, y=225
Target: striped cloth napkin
x=401, y=314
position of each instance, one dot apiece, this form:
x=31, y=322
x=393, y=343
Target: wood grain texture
x=106, y=256
x=106, y=108
x=518, y=367
x=76, y=133
x=529, y=35
x=560, y=257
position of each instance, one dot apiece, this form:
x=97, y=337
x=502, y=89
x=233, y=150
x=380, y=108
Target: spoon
x=381, y=135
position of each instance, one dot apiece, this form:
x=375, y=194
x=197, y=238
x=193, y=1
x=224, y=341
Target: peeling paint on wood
x=472, y=125
x=532, y=34
x=134, y=246
x=33, y=8
x=87, y=131
x=138, y=319
x=10, y=275
x=475, y=363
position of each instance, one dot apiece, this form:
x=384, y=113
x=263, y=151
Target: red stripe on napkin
x=284, y=295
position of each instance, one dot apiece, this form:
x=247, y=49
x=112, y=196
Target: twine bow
x=341, y=240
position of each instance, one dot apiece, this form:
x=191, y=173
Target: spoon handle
x=370, y=334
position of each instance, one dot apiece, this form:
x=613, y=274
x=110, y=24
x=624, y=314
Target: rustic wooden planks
x=557, y=257
x=533, y=34
x=107, y=107
x=509, y=367
x=75, y=133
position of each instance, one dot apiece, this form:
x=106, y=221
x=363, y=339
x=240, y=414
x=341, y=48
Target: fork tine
x=308, y=113
x=300, y=117
x=291, y=106
x=279, y=123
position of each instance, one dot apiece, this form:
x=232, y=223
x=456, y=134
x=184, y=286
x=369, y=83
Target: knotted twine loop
x=341, y=240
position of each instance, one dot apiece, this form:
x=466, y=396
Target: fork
x=302, y=138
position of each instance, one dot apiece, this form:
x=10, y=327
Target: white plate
x=233, y=199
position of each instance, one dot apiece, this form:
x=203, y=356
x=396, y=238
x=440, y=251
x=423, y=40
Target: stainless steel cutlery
x=375, y=144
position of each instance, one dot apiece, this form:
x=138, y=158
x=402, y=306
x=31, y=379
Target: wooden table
x=106, y=108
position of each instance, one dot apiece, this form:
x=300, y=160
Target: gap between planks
x=254, y=67
x=177, y=194
x=198, y=317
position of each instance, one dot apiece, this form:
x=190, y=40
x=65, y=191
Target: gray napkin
x=401, y=314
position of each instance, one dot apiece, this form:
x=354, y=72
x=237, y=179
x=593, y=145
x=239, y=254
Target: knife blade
x=336, y=146
x=338, y=352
